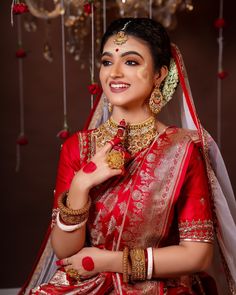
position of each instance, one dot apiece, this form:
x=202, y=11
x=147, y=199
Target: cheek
x=144, y=74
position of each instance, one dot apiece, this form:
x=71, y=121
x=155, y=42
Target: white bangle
x=69, y=228
x=150, y=263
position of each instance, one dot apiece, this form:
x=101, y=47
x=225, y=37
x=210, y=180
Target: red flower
x=20, y=8
x=88, y=8
x=22, y=140
x=94, y=88
x=219, y=23
x=63, y=134
x=20, y=53
x=221, y=75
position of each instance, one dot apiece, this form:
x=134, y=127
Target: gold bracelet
x=63, y=208
x=125, y=264
x=138, y=271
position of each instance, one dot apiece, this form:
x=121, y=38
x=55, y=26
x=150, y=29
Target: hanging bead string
x=65, y=125
x=219, y=80
x=92, y=50
x=21, y=94
x=104, y=16
x=12, y=20
x=150, y=8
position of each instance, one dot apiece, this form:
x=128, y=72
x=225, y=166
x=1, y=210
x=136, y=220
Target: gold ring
x=115, y=159
x=73, y=273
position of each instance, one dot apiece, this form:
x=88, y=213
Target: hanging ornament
x=219, y=23
x=30, y=23
x=47, y=48
x=94, y=88
x=18, y=7
x=20, y=54
x=64, y=133
x=221, y=74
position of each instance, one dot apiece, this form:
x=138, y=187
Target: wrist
x=113, y=261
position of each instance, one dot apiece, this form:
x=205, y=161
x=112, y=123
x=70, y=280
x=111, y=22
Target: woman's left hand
x=89, y=261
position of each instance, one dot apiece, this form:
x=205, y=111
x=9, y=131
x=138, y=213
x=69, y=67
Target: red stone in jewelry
x=115, y=141
x=87, y=263
x=90, y=167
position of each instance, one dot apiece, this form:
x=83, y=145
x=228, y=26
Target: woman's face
x=127, y=72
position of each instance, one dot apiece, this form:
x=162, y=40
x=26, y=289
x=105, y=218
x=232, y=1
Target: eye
x=131, y=63
x=105, y=62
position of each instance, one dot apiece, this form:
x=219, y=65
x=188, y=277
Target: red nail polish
x=59, y=263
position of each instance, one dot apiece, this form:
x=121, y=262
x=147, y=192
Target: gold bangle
x=125, y=264
x=62, y=206
x=73, y=219
x=138, y=271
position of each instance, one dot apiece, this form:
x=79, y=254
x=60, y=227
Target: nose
x=116, y=71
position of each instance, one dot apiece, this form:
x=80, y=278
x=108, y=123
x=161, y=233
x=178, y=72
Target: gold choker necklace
x=139, y=136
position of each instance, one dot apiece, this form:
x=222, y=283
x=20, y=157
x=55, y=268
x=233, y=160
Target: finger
x=63, y=262
x=115, y=172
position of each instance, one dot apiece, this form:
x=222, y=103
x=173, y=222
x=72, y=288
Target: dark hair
x=148, y=30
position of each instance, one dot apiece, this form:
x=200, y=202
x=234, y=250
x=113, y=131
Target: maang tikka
x=121, y=36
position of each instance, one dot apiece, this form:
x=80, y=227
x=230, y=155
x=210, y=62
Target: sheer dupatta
x=180, y=111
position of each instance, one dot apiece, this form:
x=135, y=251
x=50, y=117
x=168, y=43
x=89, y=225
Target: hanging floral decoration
x=19, y=7
x=22, y=139
x=94, y=88
x=20, y=53
x=219, y=24
x=64, y=133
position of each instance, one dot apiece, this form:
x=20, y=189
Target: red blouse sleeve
x=69, y=164
x=194, y=207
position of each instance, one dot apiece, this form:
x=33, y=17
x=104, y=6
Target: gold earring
x=155, y=101
x=110, y=107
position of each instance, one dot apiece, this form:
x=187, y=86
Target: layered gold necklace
x=138, y=136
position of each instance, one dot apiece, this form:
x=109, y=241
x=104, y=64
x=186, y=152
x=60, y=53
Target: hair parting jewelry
x=125, y=264
x=90, y=167
x=88, y=263
x=121, y=36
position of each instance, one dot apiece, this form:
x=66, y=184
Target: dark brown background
x=26, y=197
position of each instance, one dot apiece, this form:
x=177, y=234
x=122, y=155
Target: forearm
x=68, y=243
x=179, y=260
x=172, y=261
x=65, y=244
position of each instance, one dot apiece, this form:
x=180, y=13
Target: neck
x=131, y=117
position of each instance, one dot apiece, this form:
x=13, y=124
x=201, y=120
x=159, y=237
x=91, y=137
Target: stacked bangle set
x=141, y=261
x=69, y=219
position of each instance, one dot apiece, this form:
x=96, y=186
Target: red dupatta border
x=49, y=229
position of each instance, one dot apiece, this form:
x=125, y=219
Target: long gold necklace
x=139, y=136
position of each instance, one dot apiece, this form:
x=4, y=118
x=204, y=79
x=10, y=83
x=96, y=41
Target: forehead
x=132, y=44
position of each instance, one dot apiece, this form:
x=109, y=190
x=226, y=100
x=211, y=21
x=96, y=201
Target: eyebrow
x=123, y=54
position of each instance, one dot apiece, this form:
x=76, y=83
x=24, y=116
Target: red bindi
x=90, y=167
x=87, y=263
x=117, y=49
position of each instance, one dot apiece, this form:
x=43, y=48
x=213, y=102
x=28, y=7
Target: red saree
x=163, y=198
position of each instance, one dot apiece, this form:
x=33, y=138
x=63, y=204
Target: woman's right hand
x=97, y=173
